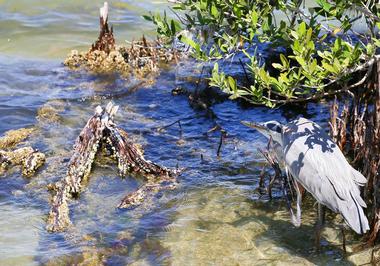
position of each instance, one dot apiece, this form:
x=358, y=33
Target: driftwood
x=101, y=132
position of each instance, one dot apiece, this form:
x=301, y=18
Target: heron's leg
x=270, y=185
x=343, y=240
x=319, y=226
x=343, y=237
x=290, y=181
x=297, y=221
x=284, y=185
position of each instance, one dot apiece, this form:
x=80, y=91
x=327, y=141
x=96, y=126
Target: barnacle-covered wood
x=32, y=162
x=101, y=131
x=85, y=149
x=129, y=157
x=59, y=219
x=28, y=158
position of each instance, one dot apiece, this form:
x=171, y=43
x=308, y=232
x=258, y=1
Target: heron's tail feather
x=354, y=216
x=359, y=179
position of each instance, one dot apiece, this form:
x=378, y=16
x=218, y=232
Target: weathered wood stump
x=105, y=41
x=141, y=58
x=101, y=132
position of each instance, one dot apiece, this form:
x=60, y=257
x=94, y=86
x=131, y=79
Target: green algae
x=13, y=137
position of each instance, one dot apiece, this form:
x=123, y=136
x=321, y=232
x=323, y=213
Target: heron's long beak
x=254, y=125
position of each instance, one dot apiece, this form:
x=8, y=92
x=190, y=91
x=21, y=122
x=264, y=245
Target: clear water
x=216, y=215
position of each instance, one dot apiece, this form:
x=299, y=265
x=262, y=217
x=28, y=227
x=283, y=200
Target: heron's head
x=268, y=129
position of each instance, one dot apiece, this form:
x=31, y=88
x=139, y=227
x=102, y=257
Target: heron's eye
x=274, y=127
x=277, y=129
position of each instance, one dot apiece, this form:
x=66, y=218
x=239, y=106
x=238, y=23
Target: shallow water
x=216, y=215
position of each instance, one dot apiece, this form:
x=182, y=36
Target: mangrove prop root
x=361, y=128
x=101, y=131
x=338, y=125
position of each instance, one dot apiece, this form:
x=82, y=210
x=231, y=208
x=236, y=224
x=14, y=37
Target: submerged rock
x=370, y=256
x=28, y=158
x=49, y=112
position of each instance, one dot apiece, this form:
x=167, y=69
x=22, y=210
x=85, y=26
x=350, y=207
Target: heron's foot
x=317, y=242
x=343, y=240
x=319, y=227
x=295, y=220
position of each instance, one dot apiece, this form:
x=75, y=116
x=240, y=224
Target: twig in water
x=215, y=128
x=178, y=121
x=262, y=175
x=180, y=129
x=272, y=161
x=199, y=80
x=245, y=72
x=223, y=134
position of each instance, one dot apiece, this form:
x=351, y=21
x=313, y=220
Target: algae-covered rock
x=29, y=159
x=50, y=114
x=12, y=137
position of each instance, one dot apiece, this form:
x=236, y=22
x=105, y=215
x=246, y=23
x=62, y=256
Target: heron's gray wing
x=318, y=164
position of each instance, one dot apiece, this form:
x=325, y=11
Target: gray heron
x=313, y=160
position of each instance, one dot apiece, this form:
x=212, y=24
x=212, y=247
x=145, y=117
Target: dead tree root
x=101, y=132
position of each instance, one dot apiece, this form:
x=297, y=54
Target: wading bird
x=314, y=161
